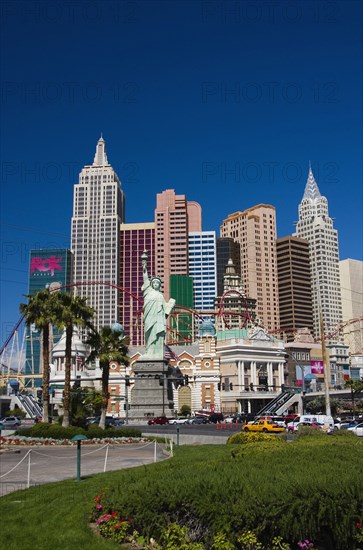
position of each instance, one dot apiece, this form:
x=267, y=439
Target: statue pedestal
x=150, y=395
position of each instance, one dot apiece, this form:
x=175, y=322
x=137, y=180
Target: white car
x=358, y=429
x=178, y=420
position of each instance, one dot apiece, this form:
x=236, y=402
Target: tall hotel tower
x=203, y=268
x=98, y=211
x=293, y=268
x=134, y=239
x=175, y=217
x=316, y=227
x=255, y=230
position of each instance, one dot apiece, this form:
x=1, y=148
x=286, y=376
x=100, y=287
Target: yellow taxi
x=267, y=426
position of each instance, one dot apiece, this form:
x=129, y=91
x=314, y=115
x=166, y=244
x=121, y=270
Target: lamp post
x=79, y=438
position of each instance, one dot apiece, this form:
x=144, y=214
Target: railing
x=277, y=403
x=30, y=405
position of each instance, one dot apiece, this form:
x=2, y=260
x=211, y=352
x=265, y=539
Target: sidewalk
x=21, y=467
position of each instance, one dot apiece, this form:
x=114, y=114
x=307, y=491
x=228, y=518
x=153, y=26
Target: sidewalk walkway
x=21, y=467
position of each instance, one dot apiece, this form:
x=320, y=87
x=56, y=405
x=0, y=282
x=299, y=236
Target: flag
x=79, y=359
x=169, y=354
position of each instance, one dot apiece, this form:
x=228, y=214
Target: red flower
x=358, y=525
x=113, y=514
x=130, y=520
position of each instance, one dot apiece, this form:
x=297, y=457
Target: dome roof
x=78, y=346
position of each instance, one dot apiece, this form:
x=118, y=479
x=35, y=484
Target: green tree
x=40, y=311
x=356, y=387
x=16, y=412
x=107, y=345
x=70, y=312
x=93, y=402
x=185, y=410
x=318, y=405
x=84, y=402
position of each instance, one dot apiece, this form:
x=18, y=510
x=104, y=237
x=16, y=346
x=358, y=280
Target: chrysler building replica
x=316, y=227
x=98, y=211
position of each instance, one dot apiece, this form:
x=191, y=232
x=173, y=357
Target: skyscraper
x=316, y=227
x=134, y=239
x=294, y=280
x=255, y=230
x=203, y=268
x=175, y=217
x=98, y=211
x=351, y=279
x=49, y=268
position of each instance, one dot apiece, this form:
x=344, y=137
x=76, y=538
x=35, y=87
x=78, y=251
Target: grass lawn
x=56, y=516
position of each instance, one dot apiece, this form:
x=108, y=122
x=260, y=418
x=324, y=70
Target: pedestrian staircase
x=282, y=402
x=28, y=404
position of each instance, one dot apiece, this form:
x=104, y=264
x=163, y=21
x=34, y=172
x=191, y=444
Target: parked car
x=290, y=418
x=240, y=418
x=10, y=422
x=158, y=420
x=110, y=421
x=215, y=417
x=348, y=425
x=198, y=420
x=266, y=426
x=358, y=429
x=178, y=420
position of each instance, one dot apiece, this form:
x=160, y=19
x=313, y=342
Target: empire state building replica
x=98, y=211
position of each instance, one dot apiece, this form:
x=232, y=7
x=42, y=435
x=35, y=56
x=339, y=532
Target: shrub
x=307, y=431
x=56, y=431
x=247, y=438
x=308, y=490
x=51, y=431
x=94, y=431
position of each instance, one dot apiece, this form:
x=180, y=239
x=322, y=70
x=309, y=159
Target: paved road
x=48, y=464
x=189, y=434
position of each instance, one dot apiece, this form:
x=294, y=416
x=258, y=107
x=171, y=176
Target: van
x=324, y=419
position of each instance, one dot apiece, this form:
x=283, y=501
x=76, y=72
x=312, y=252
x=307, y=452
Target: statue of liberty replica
x=156, y=311
x=150, y=395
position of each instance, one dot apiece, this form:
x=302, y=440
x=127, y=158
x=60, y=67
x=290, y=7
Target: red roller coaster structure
x=182, y=322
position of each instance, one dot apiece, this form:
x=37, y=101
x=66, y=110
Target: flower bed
x=39, y=441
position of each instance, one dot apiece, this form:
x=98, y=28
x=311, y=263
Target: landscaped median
x=54, y=434
x=257, y=492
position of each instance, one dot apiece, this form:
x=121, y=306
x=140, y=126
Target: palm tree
x=70, y=312
x=40, y=311
x=356, y=387
x=109, y=344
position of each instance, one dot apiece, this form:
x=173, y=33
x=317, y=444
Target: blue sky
x=225, y=102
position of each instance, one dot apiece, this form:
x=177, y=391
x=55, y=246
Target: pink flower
x=99, y=507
